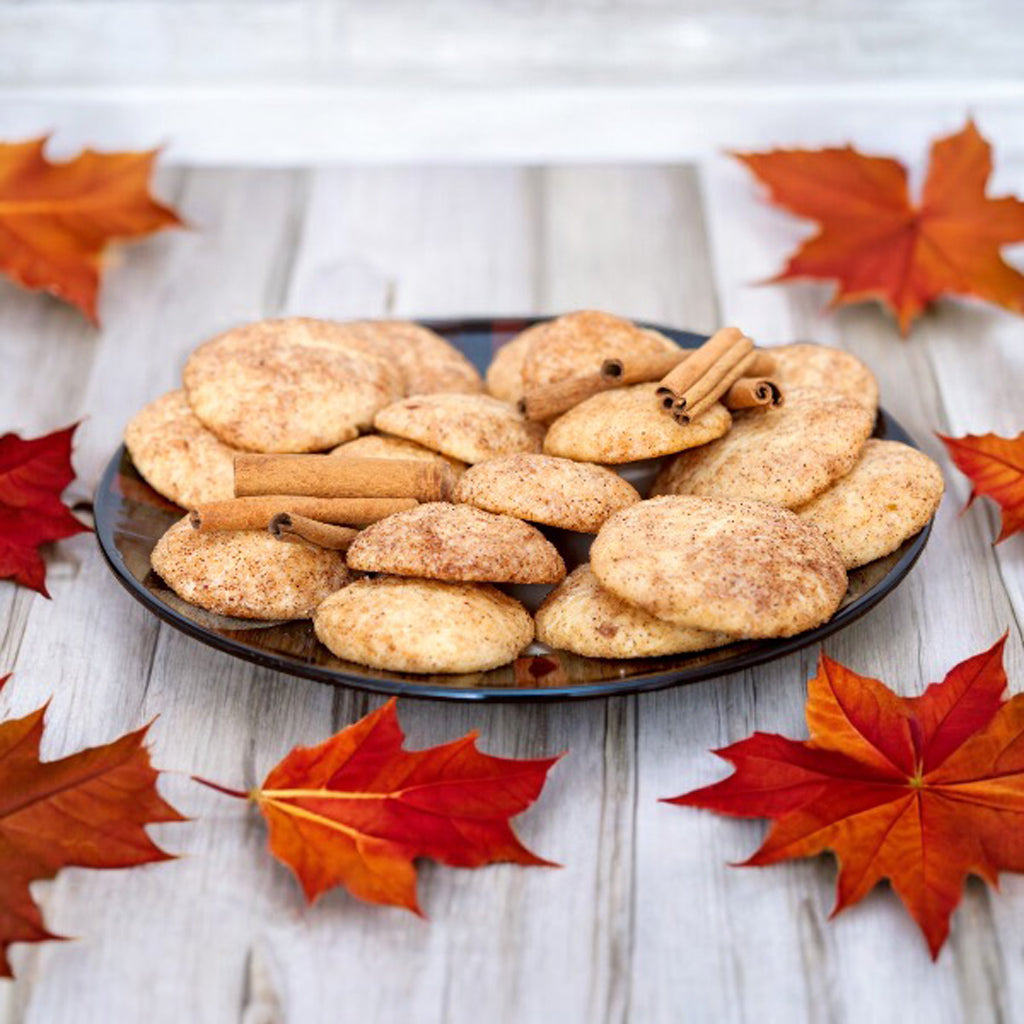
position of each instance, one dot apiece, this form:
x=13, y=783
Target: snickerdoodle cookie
x=888, y=496
x=428, y=363
x=578, y=343
x=746, y=568
x=247, y=573
x=786, y=455
x=177, y=455
x=470, y=428
x=579, y=615
x=626, y=425
x=823, y=367
x=440, y=541
x=415, y=625
x=505, y=374
x=292, y=385
x=544, y=489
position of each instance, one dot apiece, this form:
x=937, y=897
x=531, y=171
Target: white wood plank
x=977, y=358
x=629, y=239
x=953, y=604
x=47, y=349
x=427, y=241
x=975, y=354
x=93, y=649
x=503, y=944
x=649, y=254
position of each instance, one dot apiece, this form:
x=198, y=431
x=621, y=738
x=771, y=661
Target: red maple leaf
x=33, y=474
x=995, y=466
x=358, y=809
x=878, y=244
x=920, y=790
x=56, y=219
x=87, y=810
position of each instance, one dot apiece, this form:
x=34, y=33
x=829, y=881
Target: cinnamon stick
x=678, y=382
x=286, y=525
x=641, y=369
x=752, y=393
x=684, y=414
x=324, y=476
x=551, y=400
x=254, y=513
x=724, y=366
x=763, y=365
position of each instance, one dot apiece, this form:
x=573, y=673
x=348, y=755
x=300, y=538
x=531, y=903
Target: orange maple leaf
x=995, y=466
x=920, y=790
x=358, y=809
x=87, y=810
x=877, y=244
x=33, y=474
x=56, y=219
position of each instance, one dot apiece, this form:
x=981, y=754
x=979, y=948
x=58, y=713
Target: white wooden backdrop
x=646, y=922
x=297, y=81
x=504, y=42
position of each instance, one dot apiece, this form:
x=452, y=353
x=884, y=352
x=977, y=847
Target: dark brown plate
x=131, y=517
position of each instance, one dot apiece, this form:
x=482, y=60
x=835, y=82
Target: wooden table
x=646, y=921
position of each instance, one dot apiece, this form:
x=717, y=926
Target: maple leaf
x=358, y=809
x=56, y=219
x=33, y=474
x=995, y=466
x=87, y=810
x=877, y=244
x=920, y=790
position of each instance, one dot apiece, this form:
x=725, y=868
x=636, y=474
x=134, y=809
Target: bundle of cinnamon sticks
x=725, y=368
x=727, y=360
x=320, y=498
x=551, y=400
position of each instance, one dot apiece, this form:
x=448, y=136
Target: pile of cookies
x=411, y=555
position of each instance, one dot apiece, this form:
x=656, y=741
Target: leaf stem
x=241, y=794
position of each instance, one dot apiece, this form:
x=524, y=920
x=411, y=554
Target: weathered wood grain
x=645, y=921
x=441, y=241
x=91, y=648
x=437, y=241
x=953, y=604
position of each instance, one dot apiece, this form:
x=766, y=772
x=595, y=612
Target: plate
x=131, y=517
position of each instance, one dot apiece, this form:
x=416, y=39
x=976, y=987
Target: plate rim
x=765, y=651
